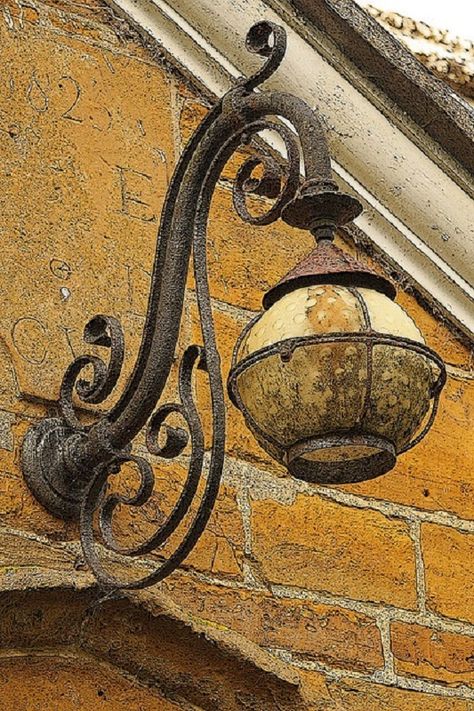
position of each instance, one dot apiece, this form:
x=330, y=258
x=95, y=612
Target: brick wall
x=365, y=590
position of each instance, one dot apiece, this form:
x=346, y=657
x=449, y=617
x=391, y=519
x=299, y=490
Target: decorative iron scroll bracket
x=67, y=464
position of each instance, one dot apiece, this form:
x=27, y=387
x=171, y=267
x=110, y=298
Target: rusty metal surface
x=67, y=465
x=320, y=204
x=347, y=472
x=327, y=264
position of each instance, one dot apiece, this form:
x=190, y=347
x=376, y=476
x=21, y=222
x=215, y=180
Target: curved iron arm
x=67, y=464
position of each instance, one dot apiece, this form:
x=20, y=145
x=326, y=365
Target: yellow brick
x=20, y=510
x=431, y=654
x=92, y=163
x=326, y=633
x=317, y=544
x=354, y=695
x=449, y=571
x=437, y=333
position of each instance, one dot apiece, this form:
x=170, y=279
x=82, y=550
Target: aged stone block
x=328, y=634
x=246, y=260
x=354, y=695
x=91, y=164
x=20, y=510
x=320, y=545
x=449, y=571
x=89, y=128
x=433, y=654
x=437, y=333
x=188, y=665
x=37, y=619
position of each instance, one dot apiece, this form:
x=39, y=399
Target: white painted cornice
x=417, y=199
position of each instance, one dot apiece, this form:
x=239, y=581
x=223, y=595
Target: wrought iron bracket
x=66, y=464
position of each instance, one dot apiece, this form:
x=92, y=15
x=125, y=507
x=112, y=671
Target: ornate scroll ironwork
x=68, y=464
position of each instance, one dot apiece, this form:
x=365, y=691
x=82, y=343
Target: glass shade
x=334, y=381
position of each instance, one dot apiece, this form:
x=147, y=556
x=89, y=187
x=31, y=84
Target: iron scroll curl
x=97, y=452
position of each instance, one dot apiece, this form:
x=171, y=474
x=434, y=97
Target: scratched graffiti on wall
x=86, y=158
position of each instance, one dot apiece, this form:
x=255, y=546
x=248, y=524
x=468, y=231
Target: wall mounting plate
x=42, y=457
